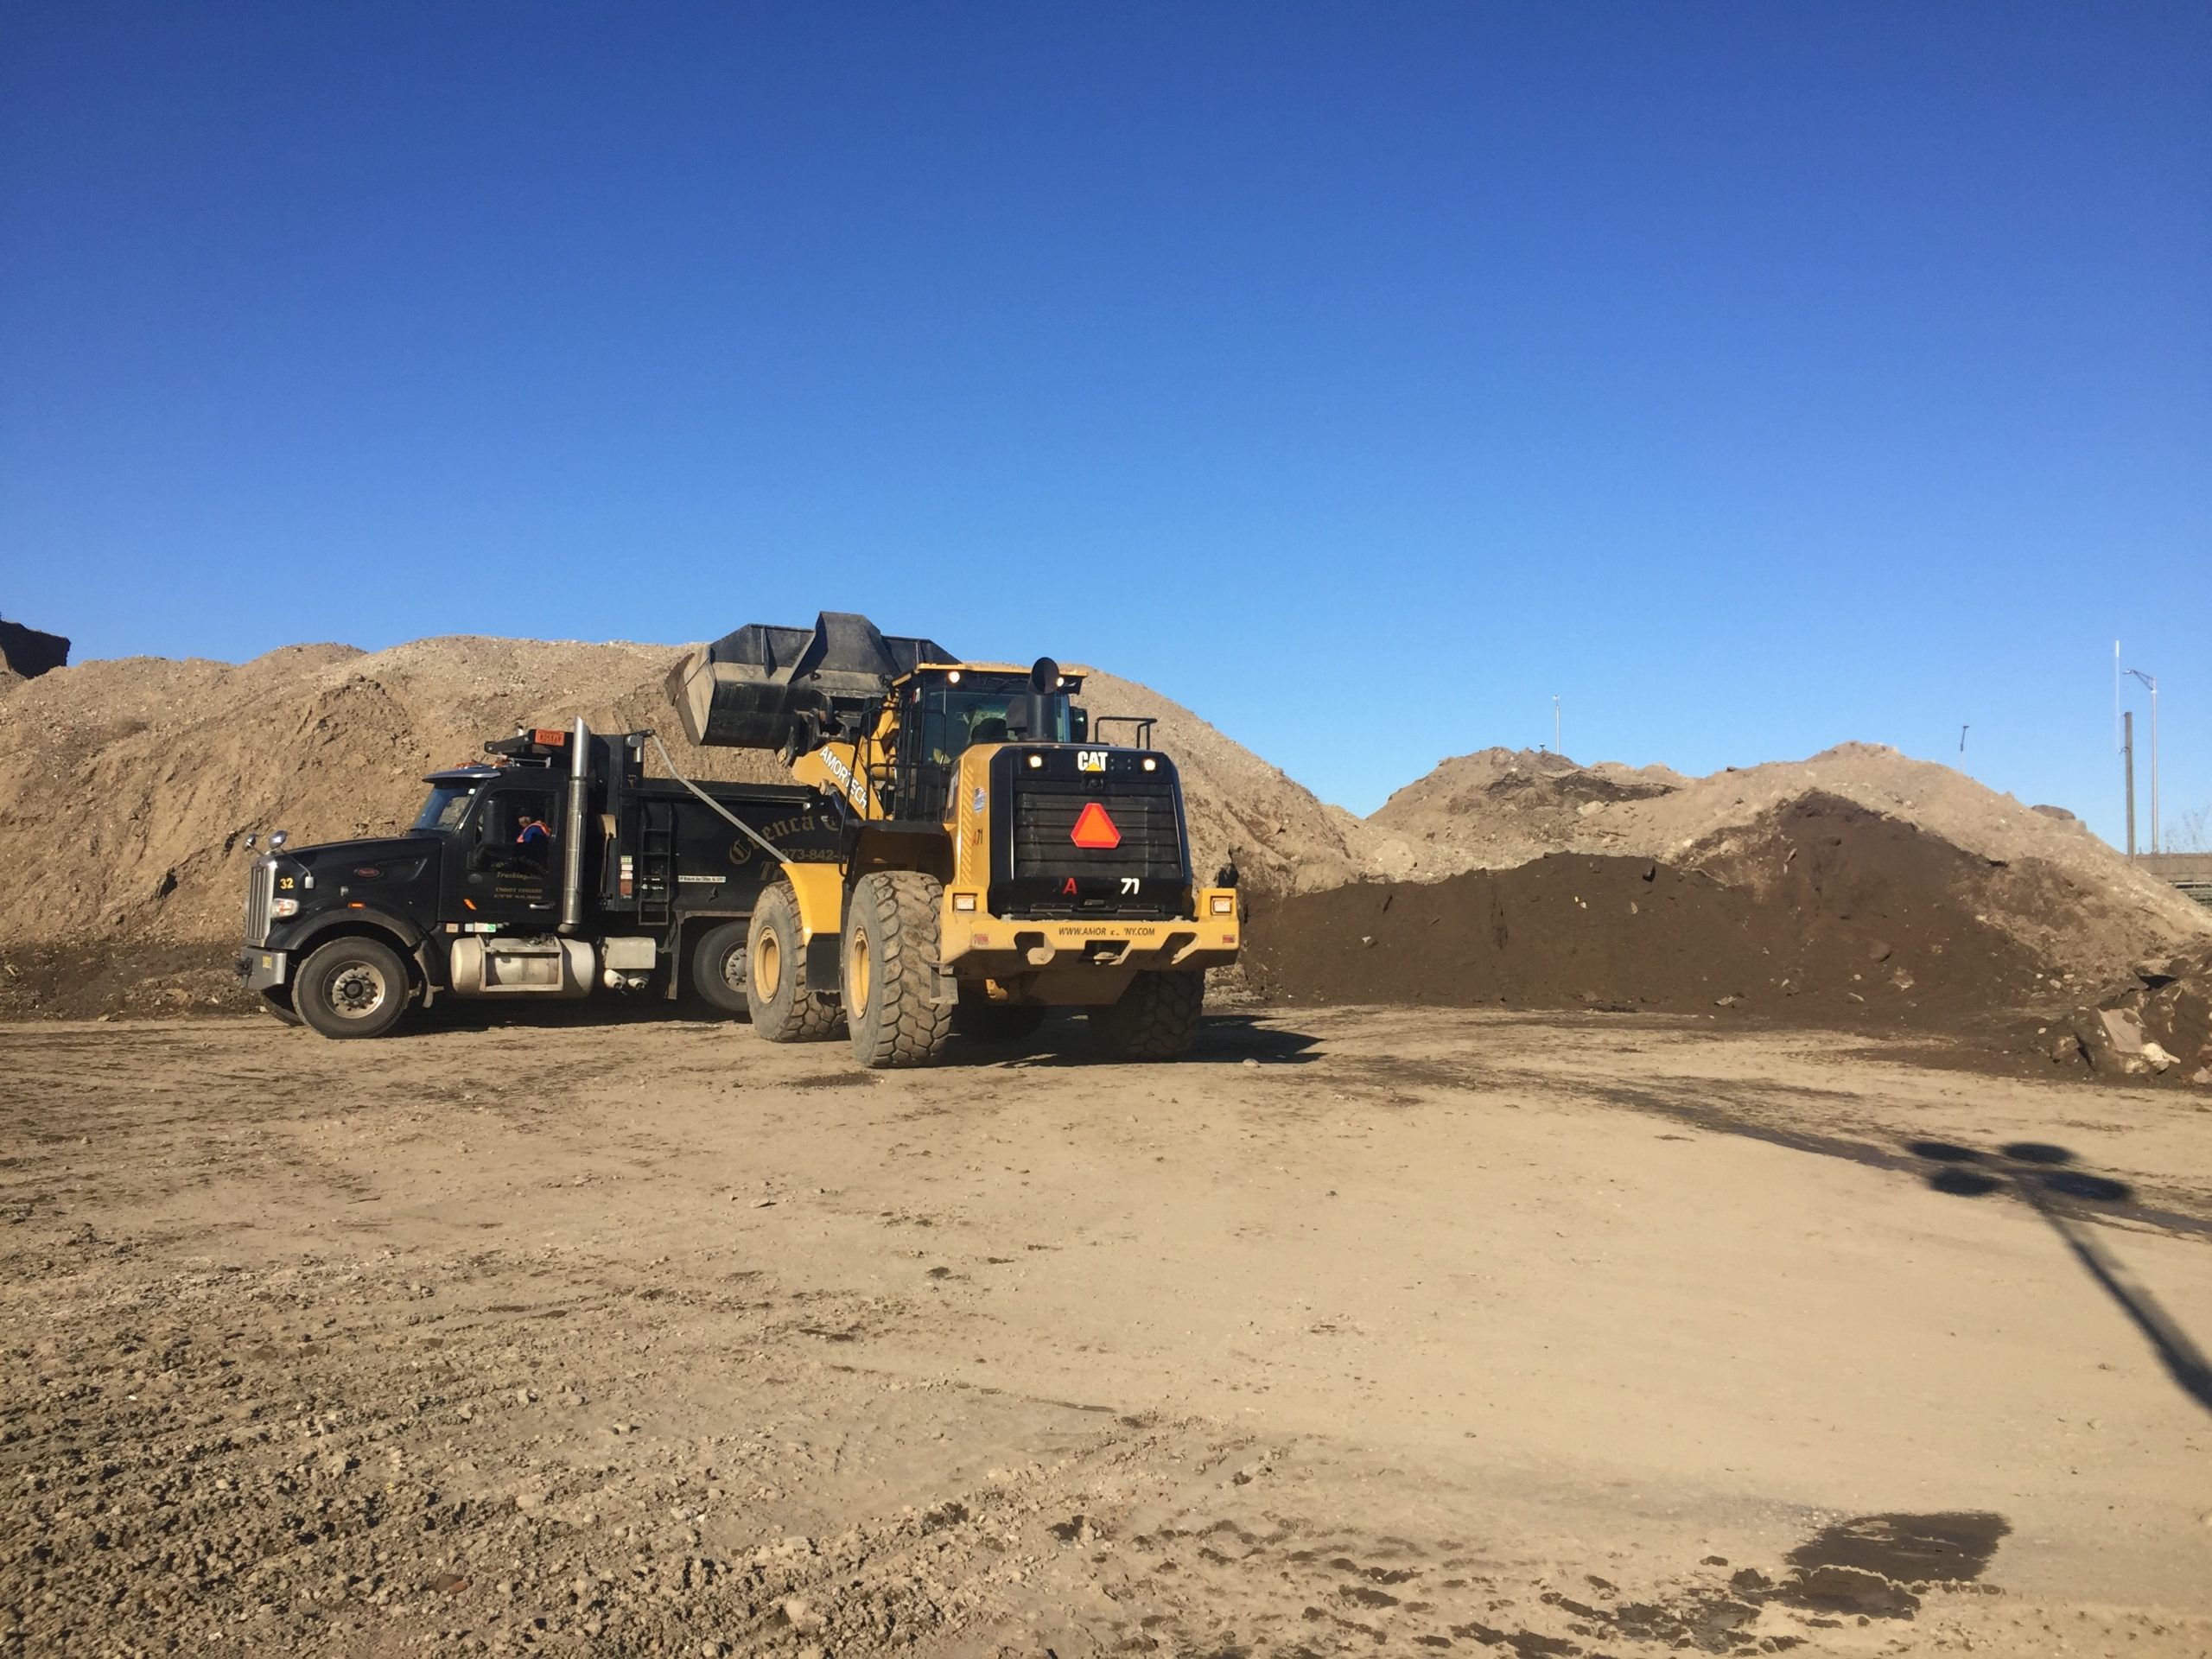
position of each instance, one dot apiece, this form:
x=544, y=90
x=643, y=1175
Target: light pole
x=1555, y=748
x=2151, y=680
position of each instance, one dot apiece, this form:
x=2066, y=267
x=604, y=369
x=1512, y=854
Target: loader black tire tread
x=792, y=1013
x=898, y=1021
x=1156, y=1018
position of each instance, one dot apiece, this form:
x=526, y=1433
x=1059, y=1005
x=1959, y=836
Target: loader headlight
x=1224, y=904
x=964, y=901
x=284, y=909
x=1151, y=764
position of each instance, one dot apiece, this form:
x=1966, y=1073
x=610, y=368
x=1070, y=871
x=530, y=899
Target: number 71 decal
x=1130, y=884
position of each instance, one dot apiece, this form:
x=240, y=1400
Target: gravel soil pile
x=127, y=788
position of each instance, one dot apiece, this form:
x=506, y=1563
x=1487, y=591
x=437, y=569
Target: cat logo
x=1090, y=759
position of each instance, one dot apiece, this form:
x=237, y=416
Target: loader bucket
x=768, y=688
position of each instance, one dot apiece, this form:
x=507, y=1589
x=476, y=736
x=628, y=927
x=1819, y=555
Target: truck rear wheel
x=784, y=1010
x=891, y=970
x=1155, y=1018
x=718, y=971
x=353, y=988
x=998, y=1022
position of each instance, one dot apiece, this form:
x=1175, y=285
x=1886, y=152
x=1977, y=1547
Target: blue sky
x=1752, y=376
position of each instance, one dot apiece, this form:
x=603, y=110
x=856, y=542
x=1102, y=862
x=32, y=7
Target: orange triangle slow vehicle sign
x=1094, y=831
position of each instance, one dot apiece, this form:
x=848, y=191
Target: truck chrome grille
x=260, y=894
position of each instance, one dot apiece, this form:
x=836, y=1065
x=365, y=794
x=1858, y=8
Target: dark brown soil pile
x=1855, y=918
x=2067, y=896
x=128, y=980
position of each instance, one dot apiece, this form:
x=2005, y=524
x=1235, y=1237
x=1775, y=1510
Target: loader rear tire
x=1155, y=1018
x=784, y=1009
x=891, y=970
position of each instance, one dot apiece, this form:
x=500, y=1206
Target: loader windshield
x=944, y=716
x=976, y=710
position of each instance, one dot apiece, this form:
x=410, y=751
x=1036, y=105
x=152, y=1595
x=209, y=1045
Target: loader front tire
x=1155, y=1018
x=891, y=970
x=784, y=1010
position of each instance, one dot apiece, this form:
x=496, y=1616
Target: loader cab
x=943, y=711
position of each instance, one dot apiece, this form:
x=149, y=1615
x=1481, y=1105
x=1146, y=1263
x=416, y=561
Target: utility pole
x=1963, y=730
x=2151, y=680
x=2127, y=749
x=1555, y=747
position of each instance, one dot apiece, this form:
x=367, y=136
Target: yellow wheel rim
x=767, y=966
x=856, y=968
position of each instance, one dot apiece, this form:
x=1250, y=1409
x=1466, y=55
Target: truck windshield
x=448, y=804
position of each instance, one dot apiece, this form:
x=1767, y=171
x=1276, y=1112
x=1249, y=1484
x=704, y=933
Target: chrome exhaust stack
x=572, y=862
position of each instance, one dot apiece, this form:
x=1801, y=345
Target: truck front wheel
x=353, y=988
x=718, y=974
x=891, y=970
x=784, y=1009
x=1155, y=1018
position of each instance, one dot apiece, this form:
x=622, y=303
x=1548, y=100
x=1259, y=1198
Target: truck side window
x=522, y=820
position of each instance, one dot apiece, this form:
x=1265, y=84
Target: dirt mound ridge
x=2079, y=906
x=127, y=788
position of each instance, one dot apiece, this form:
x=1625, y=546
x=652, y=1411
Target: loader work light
x=1094, y=831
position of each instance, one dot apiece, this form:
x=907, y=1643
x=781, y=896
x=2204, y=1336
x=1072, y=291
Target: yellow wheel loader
x=997, y=856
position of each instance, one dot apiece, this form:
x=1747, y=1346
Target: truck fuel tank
x=483, y=965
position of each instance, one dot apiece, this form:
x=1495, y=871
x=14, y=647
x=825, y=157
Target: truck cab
x=557, y=868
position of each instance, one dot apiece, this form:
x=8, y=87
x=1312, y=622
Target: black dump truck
x=557, y=869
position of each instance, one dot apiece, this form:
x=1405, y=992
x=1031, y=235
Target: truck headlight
x=1224, y=904
x=284, y=909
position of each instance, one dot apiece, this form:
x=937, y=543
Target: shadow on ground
x=2045, y=1178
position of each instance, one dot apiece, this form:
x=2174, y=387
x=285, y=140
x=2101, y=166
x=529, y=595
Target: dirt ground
x=1400, y=1330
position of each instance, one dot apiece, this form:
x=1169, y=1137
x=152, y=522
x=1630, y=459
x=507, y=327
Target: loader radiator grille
x=1045, y=816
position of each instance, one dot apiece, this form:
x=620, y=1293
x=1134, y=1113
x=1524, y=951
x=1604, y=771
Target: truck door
x=508, y=871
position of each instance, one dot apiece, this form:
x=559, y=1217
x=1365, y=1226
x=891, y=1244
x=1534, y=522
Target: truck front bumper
x=264, y=971
x=1066, y=953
